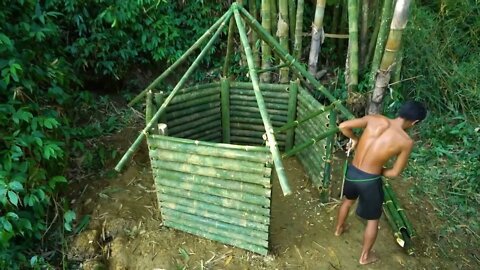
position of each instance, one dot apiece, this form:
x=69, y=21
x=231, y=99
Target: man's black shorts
x=368, y=188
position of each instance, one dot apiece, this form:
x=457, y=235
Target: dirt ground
x=126, y=232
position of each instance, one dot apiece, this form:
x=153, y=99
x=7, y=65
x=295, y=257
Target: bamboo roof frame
x=236, y=13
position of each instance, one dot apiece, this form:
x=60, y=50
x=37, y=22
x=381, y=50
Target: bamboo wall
x=194, y=113
x=218, y=191
x=245, y=121
x=313, y=158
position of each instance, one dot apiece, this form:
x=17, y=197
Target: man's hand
x=352, y=143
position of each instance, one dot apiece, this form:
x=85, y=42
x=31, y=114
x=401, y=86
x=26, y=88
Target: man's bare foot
x=370, y=258
x=341, y=229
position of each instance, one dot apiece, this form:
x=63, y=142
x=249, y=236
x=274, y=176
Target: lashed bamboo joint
x=213, y=170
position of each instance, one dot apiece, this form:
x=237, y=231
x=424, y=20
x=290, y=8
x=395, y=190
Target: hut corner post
x=291, y=113
x=271, y=141
x=225, y=100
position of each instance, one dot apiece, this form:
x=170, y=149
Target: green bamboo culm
x=272, y=143
x=325, y=192
x=282, y=33
x=388, y=189
x=386, y=16
x=297, y=48
x=287, y=58
x=353, y=45
x=128, y=155
x=317, y=36
x=266, y=50
x=252, y=6
x=291, y=22
x=309, y=142
x=228, y=56
x=364, y=32
x=225, y=95
x=309, y=116
x=149, y=107
x=180, y=60
x=373, y=38
x=159, y=97
x=291, y=113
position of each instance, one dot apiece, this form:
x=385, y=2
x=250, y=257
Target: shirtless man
x=382, y=139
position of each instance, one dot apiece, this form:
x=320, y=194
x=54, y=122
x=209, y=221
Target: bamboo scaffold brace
x=271, y=141
x=133, y=148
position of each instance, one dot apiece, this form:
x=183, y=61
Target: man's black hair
x=412, y=110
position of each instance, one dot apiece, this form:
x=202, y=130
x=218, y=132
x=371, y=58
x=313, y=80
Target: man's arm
x=400, y=163
x=347, y=128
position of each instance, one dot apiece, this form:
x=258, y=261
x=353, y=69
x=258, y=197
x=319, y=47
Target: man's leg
x=368, y=240
x=342, y=215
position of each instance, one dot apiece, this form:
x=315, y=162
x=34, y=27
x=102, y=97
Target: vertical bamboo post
x=252, y=6
x=381, y=37
x=159, y=97
x=297, y=47
x=271, y=141
x=353, y=45
x=128, y=155
x=225, y=99
x=327, y=176
x=149, y=107
x=292, y=61
x=180, y=60
x=292, y=20
x=291, y=113
x=282, y=33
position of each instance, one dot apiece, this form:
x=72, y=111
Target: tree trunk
x=317, y=37
x=282, y=33
x=399, y=21
x=353, y=45
x=266, y=50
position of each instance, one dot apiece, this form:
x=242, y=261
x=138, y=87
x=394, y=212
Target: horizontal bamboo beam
x=280, y=107
x=301, y=147
x=304, y=119
x=256, y=222
x=210, y=161
x=266, y=94
x=318, y=149
x=212, y=236
x=253, y=121
x=223, y=202
x=180, y=98
x=197, y=130
x=262, y=86
x=220, y=192
x=204, y=135
x=235, y=108
x=252, y=98
x=213, y=98
x=211, y=172
x=198, y=87
x=193, y=122
x=171, y=115
x=217, y=227
x=278, y=118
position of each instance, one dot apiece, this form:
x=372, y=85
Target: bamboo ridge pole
x=310, y=142
x=292, y=61
x=181, y=59
x=127, y=156
x=272, y=143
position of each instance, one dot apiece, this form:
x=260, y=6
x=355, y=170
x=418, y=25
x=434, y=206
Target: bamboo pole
x=353, y=46
x=191, y=89
x=364, y=32
x=398, y=70
x=194, y=120
x=159, y=97
x=246, y=127
x=182, y=58
x=266, y=94
x=277, y=118
x=225, y=96
x=262, y=86
x=228, y=56
x=194, y=123
x=218, y=227
x=252, y=6
x=297, y=48
x=317, y=37
x=175, y=214
x=252, y=98
x=223, y=202
x=181, y=98
x=215, y=98
x=210, y=161
x=253, y=121
x=399, y=22
x=291, y=113
x=343, y=28
x=271, y=68
x=309, y=116
x=245, y=219
x=280, y=113
x=266, y=50
x=172, y=115
x=270, y=105
x=220, y=192
x=197, y=130
x=291, y=22
x=373, y=39
x=282, y=34
x=408, y=225
x=325, y=194
x=212, y=136
x=310, y=142
x=289, y=59
x=382, y=37
x=219, y=238
x=149, y=107
x=128, y=155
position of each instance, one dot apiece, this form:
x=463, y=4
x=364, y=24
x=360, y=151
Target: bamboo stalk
x=149, y=107
x=388, y=189
x=271, y=106
x=181, y=98
x=289, y=59
x=212, y=236
x=194, y=124
x=182, y=58
x=381, y=38
x=253, y=99
x=291, y=22
x=159, y=97
x=257, y=110
x=223, y=202
x=194, y=120
x=247, y=127
x=257, y=121
x=128, y=155
x=267, y=93
x=343, y=29
x=364, y=32
x=373, y=39
x=218, y=227
x=263, y=70
x=197, y=130
x=353, y=45
x=209, y=161
x=253, y=178
x=215, y=98
x=262, y=86
x=325, y=194
x=197, y=87
x=319, y=122
x=297, y=48
x=174, y=214
x=217, y=183
x=173, y=115
x=216, y=131
x=291, y=113
x=317, y=38
x=247, y=140
x=310, y=142
x=225, y=95
x=214, y=136
x=309, y=116
x=282, y=34
x=398, y=70
x=252, y=6
x=266, y=50
x=220, y=192
x=245, y=219
x=228, y=56
x=392, y=210
x=316, y=151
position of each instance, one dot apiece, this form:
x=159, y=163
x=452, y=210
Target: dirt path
x=126, y=232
